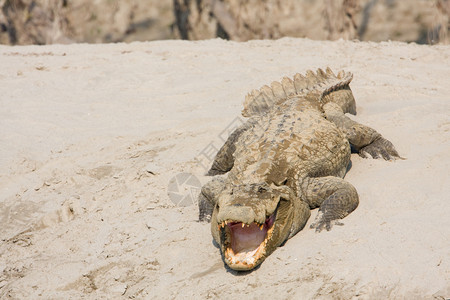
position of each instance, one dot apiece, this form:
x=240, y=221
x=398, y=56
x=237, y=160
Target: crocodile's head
x=251, y=221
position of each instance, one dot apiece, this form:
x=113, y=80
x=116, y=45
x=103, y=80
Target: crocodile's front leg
x=224, y=160
x=208, y=197
x=367, y=141
x=335, y=197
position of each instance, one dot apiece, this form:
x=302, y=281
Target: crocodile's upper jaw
x=244, y=246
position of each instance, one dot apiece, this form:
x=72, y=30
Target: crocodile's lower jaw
x=244, y=246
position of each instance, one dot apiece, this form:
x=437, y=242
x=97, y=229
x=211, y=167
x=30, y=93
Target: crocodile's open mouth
x=245, y=244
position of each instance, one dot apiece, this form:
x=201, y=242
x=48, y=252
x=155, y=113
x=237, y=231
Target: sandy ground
x=91, y=137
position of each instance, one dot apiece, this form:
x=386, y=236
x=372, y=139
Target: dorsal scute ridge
x=344, y=79
x=258, y=102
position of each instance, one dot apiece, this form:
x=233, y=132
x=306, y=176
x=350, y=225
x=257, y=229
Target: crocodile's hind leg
x=365, y=140
x=208, y=197
x=224, y=160
x=335, y=197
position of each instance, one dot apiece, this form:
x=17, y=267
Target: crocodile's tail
x=322, y=82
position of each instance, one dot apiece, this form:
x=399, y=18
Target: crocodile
x=288, y=158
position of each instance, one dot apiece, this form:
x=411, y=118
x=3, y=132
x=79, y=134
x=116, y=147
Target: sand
x=92, y=136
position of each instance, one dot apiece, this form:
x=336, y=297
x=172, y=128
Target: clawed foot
x=321, y=223
x=380, y=148
x=204, y=218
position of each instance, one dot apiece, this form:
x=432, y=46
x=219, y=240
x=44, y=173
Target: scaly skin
x=288, y=158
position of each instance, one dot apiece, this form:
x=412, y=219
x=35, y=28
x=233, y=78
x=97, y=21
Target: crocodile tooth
x=242, y=225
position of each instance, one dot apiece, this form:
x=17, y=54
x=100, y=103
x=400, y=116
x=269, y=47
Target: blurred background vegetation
x=101, y=21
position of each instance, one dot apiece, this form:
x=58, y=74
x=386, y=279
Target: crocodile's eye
x=261, y=190
x=282, y=199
